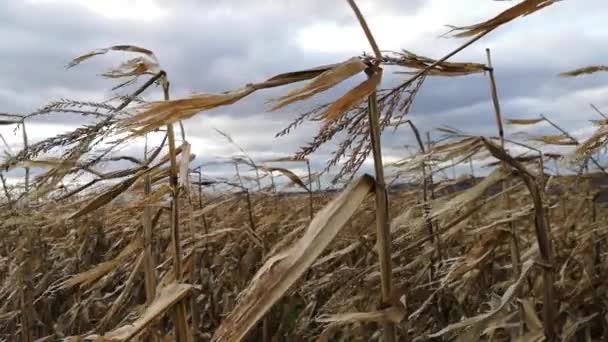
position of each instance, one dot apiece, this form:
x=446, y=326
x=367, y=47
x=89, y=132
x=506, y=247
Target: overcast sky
x=211, y=46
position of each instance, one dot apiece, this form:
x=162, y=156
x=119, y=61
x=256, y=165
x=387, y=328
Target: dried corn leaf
x=166, y=299
x=287, y=173
x=45, y=163
x=479, y=322
x=133, y=67
x=559, y=139
x=126, y=48
x=522, y=9
x=88, y=277
x=161, y=113
x=282, y=270
x=465, y=197
x=524, y=121
x=464, y=144
x=210, y=208
x=584, y=71
x=157, y=114
x=411, y=60
x=352, y=98
x=284, y=160
x=106, y=197
x=323, y=82
x=296, y=76
x=393, y=314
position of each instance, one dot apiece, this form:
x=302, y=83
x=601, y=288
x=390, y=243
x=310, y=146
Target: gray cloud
x=216, y=46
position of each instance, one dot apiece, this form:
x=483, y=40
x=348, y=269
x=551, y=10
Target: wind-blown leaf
x=352, y=98
x=411, y=60
x=287, y=173
x=106, y=197
x=584, y=71
x=522, y=9
x=524, y=121
x=125, y=48
x=321, y=83
x=89, y=276
x=282, y=270
x=284, y=160
x=157, y=114
x=559, y=139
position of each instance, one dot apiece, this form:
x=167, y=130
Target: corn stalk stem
x=514, y=242
x=310, y=198
x=429, y=195
x=382, y=219
x=366, y=30
x=382, y=226
x=25, y=149
x=543, y=237
x=149, y=264
x=249, y=209
x=7, y=193
x=515, y=253
x=182, y=333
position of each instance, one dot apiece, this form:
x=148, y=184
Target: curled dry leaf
x=522, y=9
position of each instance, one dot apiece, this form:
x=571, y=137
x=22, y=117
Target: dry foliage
x=138, y=253
x=524, y=8
x=584, y=71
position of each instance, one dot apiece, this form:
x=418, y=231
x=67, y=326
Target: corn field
x=158, y=251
